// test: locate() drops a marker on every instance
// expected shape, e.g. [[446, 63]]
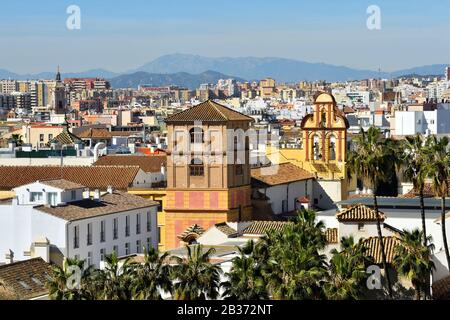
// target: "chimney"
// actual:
[[9, 257], [110, 189], [97, 195], [87, 193]]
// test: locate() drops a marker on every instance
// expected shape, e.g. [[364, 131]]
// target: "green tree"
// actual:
[[347, 271], [195, 277], [439, 171], [294, 267], [413, 261], [371, 158], [245, 279], [115, 281], [152, 277], [415, 163], [70, 282]]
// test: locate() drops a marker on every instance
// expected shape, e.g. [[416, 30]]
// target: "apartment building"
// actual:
[[75, 224]]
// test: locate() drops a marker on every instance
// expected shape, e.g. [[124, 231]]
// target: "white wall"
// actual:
[[82, 251], [20, 226], [278, 194]]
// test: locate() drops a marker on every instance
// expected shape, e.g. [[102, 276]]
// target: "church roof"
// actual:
[[67, 138], [209, 111]]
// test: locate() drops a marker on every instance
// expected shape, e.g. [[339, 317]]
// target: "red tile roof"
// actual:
[[95, 177], [146, 163], [208, 111]]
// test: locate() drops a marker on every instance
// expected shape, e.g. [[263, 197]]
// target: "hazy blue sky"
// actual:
[[124, 35]]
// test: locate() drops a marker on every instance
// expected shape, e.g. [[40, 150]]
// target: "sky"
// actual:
[[123, 35]]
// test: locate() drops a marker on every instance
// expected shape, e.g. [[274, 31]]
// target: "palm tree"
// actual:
[[413, 260], [116, 279], [70, 281], [415, 161], [294, 267], [439, 170], [371, 159], [196, 278], [152, 277], [245, 279], [347, 271]]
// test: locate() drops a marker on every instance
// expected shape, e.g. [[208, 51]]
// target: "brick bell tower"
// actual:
[[208, 171]]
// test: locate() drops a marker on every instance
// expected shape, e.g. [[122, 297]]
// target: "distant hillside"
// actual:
[[182, 79], [189, 69], [251, 68], [100, 73]]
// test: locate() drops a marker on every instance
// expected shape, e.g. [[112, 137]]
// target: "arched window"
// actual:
[[317, 152], [197, 135], [323, 119], [333, 148], [197, 168]]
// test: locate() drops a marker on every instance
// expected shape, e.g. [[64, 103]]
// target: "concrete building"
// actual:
[[75, 224]]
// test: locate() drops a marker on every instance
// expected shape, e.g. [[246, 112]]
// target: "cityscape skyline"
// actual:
[[122, 37]]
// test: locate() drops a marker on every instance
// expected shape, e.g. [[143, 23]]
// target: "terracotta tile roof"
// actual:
[[226, 229], [285, 173], [95, 133], [262, 227], [62, 184], [331, 235], [109, 203], [146, 163], [441, 289], [374, 250], [358, 213], [208, 111], [427, 192], [17, 278], [119, 177]]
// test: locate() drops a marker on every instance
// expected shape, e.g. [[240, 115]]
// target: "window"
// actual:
[[196, 168], [73, 194], [52, 198], [239, 169], [127, 248], [36, 196], [149, 221], [116, 250], [102, 254], [197, 135], [102, 231], [89, 234], [76, 237], [115, 228], [127, 226], [361, 227], [138, 223], [77, 257], [89, 259], [159, 234], [41, 137], [284, 205], [138, 246], [50, 137], [432, 121], [149, 243]]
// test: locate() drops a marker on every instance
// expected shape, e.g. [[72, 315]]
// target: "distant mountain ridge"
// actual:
[[248, 68], [93, 73], [281, 69], [182, 79]]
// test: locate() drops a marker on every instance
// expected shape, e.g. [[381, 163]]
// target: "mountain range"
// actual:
[[182, 79], [189, 70]]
